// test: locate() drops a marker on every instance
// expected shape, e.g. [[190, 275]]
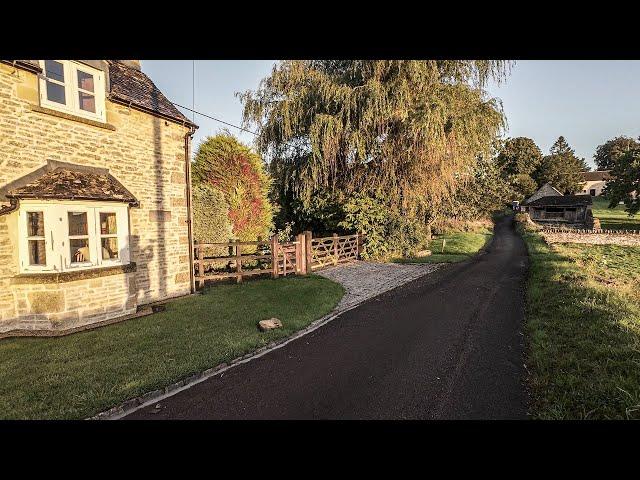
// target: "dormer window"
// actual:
[[73, 87]]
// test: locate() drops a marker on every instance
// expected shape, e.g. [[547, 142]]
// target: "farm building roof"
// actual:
[[561, 201], [599, 175]]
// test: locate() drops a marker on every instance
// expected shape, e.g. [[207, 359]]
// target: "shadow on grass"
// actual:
[[584, 340]]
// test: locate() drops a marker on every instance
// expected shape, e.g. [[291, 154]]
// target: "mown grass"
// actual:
[[583, 327], [614, 218], [458, 246], [82, 374]]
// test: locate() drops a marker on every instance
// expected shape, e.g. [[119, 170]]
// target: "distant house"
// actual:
[[594, 182], [94, 193], [548, 205]]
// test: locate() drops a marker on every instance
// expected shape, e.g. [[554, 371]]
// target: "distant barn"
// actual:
[[548, 205]]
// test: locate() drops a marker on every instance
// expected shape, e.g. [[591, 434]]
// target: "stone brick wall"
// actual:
[[145, 153], [591, 238]]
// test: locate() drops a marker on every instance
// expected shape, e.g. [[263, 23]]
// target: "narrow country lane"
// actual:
[[445, 346]]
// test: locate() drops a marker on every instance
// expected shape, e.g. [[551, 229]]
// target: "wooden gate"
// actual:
[[288, 258], [237, 259]]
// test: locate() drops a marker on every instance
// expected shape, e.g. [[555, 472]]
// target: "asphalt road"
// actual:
[[445, 346]]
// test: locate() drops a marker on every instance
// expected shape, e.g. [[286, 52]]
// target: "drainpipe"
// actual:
[[187, 172]]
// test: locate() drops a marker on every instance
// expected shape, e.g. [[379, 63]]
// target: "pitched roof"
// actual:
[[58, 181], [598, 175], [128, 86], [561, 201], [131, 86]]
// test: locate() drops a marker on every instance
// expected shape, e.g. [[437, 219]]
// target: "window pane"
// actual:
[[55, 93], [77, 223], [108, 224], [79, 249], [37, 254], [35, 224], [54, 70], [85, 81], [109, 248], [87, 102]]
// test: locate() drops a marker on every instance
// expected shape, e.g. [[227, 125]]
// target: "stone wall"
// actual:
[[145, 153], [592, 238]]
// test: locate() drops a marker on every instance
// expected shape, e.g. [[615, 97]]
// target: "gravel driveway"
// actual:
[[364, 280]]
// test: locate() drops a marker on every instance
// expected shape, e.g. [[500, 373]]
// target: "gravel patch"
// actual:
[[365, 280]]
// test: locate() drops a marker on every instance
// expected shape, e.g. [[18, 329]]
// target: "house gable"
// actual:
[[547, 190]]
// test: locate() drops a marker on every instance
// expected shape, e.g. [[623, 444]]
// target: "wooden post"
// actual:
[[358, 245], [238, 262], [443, 244], [301, 258], [197, 256], [274, 257], [335, 248], [308, 252]]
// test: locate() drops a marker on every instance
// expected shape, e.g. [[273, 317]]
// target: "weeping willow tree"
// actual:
[[408, 130]]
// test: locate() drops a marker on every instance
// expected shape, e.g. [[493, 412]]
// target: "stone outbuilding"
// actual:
[[549, 206], [95, 218]]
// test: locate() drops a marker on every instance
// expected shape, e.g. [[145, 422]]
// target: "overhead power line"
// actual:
[[216, 119]]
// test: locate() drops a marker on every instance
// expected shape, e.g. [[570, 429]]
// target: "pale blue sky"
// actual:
[[588, 102]]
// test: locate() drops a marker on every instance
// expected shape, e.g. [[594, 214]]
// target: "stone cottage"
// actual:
[[94, 194], [549, 206], [594, 182]]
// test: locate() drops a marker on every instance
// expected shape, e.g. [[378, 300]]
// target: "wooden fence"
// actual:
[[300, 257]]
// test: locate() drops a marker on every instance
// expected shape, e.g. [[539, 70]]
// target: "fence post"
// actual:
[[197, 256], [301, 257], [335, 248], [307, 251], [238, 262], [274, 257], [358, 245]]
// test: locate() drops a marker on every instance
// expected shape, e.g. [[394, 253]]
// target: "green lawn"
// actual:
[[458, 246], [583, 328], [614, 218], [82, 374]]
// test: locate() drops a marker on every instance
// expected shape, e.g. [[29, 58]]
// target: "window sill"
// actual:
[[62, 277], [69, 116]]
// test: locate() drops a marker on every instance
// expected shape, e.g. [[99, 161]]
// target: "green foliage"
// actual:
[[625, 181], [518, 159], [486, 192], [234, 169], [519, 156], [210, 216], [561, 168], [407, 128], [609, 152], [386, 231], [524, 185], [321, 215]]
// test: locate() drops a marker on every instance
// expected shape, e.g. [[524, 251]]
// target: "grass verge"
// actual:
[[614, 218], [82, 374], [458, 246], [583, 327]]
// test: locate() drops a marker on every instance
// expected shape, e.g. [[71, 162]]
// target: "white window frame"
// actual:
[[56, 225], [72, 105]]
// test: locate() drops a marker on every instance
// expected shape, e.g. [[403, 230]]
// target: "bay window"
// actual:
[[67, 235], [73, 87]]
